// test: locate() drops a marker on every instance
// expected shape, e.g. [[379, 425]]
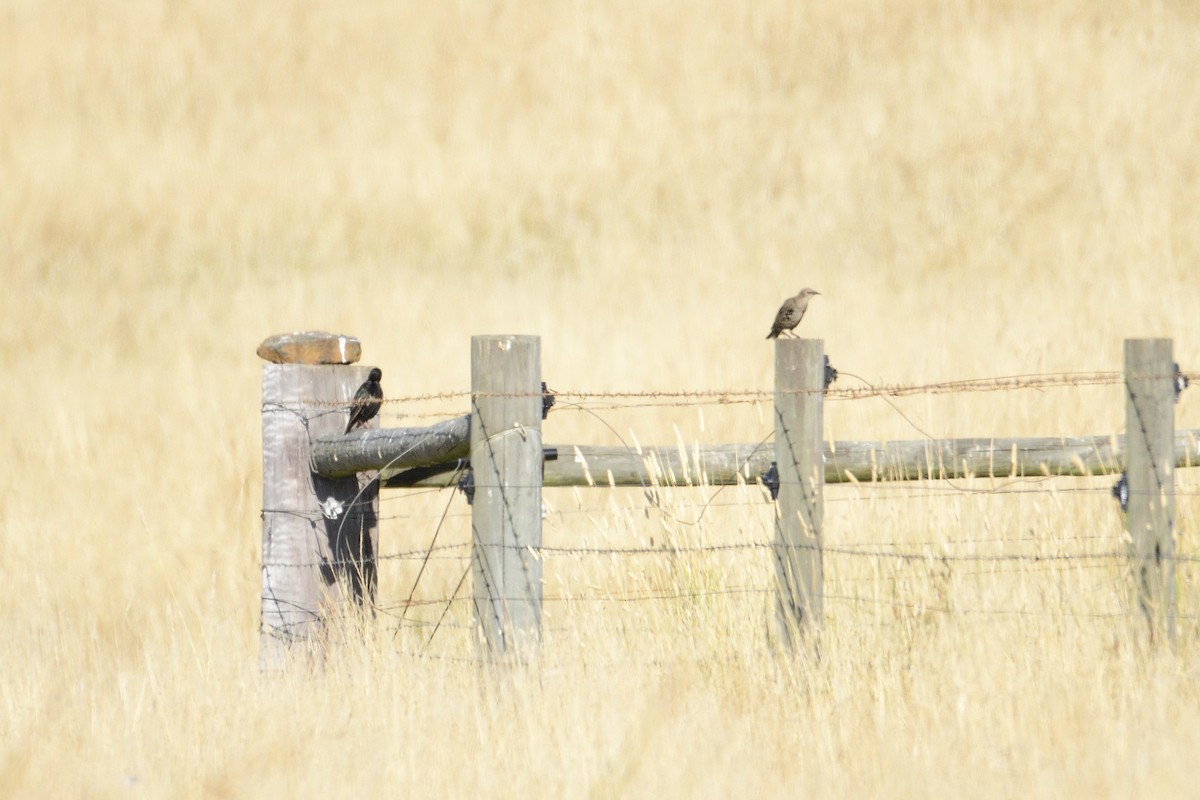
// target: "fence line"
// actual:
[[704, 396], [1115, 556], [907, 490], [335, 542]]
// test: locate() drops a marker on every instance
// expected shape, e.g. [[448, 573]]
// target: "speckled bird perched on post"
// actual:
[[791, 312], [367, 400]]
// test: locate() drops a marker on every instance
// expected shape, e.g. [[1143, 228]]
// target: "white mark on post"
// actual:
[[332, 508], [505, 344], [342, 347]]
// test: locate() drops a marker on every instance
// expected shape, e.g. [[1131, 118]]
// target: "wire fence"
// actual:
[[610, 399], [1045, 547]]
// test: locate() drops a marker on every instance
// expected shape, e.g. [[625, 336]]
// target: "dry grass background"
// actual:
[[978, 189]]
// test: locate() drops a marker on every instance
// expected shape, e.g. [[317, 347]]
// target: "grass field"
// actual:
[[978, 189]]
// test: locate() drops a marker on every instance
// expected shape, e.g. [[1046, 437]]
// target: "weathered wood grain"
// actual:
[[799, 513], [1150, 468], [319, 533], [506, 517], [392, 448], [310, 347]]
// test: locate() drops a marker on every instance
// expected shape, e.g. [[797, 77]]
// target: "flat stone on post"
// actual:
[[310, 347]]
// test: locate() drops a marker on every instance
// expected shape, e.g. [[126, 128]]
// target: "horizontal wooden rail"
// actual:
[[369, 450], [724, 464]]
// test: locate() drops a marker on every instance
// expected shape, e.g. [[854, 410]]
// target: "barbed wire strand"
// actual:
[[1020, 382]]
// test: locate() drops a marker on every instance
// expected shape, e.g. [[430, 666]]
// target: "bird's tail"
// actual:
[[773, 335]]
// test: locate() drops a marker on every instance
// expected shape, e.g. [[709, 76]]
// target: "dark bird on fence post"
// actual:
[[367, 400], [791, 312]]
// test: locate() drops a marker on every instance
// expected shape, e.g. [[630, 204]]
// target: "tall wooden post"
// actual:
[[1150, 466], [506, 515], [319, 534], [800, 461]]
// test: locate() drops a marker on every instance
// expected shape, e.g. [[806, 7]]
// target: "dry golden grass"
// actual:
[[979, 189]]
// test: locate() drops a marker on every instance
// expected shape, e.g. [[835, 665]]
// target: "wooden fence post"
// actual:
[[319, 534], [506, 515], [800, 461], [1150, 469]]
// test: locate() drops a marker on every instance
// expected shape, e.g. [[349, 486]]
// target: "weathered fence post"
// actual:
[[1150, 467], [506, 515], [800, 461], [319, 534]]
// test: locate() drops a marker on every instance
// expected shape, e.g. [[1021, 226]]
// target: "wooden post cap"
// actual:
[[310, 347]]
